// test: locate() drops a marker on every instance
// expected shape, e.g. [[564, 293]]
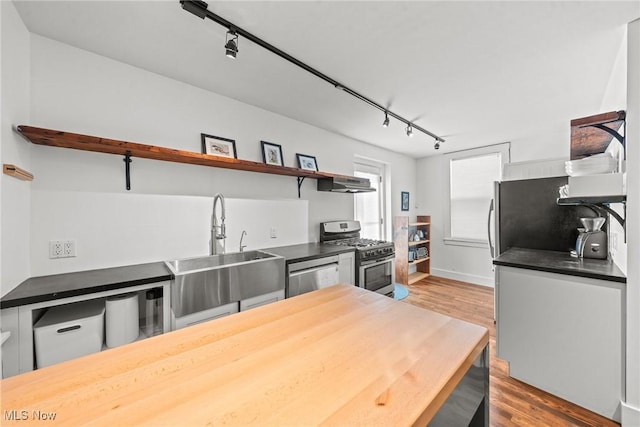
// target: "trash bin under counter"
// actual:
[[69, 331], [121, 319]]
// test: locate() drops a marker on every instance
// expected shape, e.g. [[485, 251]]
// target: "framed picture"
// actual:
[[307, 162], [218, 146], [271, 153], [404, 197]]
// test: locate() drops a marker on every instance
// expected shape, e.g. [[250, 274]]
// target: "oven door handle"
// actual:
[[377, 261]]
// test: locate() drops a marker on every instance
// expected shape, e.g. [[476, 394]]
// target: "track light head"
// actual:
[[436, 146], [409, 130], [231, 45], [386, 120]]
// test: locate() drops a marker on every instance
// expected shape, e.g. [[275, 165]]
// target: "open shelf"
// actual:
[[601, 205], [417, 276], [408, 268], [76, 141], [419, 261]]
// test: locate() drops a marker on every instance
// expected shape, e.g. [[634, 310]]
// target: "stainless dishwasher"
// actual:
[[307, 276]]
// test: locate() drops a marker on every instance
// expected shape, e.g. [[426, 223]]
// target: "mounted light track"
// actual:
[[199, 9]]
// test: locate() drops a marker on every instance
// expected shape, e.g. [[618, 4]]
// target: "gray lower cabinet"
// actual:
[[563, 334], [346, 268]]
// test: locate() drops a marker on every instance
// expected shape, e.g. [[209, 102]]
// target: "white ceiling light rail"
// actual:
[[199, 8]]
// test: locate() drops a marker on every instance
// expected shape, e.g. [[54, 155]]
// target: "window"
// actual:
[[471, 177]]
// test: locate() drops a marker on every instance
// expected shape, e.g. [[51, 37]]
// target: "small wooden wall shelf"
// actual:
[[16, 172], [56, 138]]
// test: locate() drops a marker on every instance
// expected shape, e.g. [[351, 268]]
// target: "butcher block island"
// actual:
[[339, 356]]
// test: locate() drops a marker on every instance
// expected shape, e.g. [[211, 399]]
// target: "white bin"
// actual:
[[69, 331], [122, 324]]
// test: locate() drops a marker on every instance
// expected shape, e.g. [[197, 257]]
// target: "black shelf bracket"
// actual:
[[127, 169], [300, 179], [601, 206]]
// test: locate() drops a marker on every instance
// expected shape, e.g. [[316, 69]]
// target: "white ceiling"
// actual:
[[474, 73]]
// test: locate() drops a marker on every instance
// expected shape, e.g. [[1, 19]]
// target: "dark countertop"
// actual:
[[307, 251], [57, 286], [561, 263], [46, 288]]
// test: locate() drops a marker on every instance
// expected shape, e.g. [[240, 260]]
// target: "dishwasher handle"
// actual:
[[313, 269]]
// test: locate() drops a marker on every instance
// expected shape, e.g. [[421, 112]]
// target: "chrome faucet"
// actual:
[[215, 234], [244, 233]]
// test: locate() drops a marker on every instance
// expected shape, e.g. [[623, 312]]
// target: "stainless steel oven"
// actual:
[[374, 258], [377, 275]]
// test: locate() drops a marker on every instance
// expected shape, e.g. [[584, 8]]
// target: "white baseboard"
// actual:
[[470, 278], [630, 416]]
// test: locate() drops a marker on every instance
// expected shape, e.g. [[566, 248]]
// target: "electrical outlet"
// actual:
[[273, 233], [69, 248], [62, 248], [55, 249]]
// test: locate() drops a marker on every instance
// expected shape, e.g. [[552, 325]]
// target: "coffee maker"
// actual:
[[592, 242]]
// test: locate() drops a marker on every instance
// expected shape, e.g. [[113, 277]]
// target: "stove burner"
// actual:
[[358, 242]]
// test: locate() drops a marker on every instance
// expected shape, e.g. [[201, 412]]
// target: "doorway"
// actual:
[[369, 208]]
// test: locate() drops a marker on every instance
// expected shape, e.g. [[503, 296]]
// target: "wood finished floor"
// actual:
[[512, 402]]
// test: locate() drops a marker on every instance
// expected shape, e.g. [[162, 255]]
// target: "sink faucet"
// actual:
[[244, 233], [215, 234]]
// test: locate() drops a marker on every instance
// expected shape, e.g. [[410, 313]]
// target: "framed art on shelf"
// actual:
[[272, 153], [218, 146], [404, 197], [307, 162]]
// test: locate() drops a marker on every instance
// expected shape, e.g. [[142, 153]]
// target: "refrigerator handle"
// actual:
[[491, 248]]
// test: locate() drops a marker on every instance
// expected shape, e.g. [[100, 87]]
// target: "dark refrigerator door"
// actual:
[[529, 216]]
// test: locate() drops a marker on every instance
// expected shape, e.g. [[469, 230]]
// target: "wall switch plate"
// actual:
[[62, 249], [273, 233]]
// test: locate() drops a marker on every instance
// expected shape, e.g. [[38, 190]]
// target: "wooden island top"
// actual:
[[338, 356]]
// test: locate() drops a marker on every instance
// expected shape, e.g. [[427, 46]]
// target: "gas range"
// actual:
[[374, 259], [347, 233]]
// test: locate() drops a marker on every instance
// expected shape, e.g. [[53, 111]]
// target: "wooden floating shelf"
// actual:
[[56, 138], [416, 224], [16, 172]]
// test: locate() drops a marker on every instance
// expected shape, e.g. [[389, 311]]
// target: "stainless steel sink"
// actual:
[[189, 265], [204, 283]]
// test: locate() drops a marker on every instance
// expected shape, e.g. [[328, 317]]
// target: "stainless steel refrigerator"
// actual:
[[525, 214]]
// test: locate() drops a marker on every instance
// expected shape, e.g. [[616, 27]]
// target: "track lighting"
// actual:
[[436, 145], [232, 44], [409, 130], [199, 9]]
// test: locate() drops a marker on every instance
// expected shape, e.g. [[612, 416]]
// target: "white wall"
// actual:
[[15, 194], [112, 229], [631, 409], [77, 91], [542, 141]]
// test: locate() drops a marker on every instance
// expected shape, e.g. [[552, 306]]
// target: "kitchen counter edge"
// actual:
[[561, 263], [58, 286], [308, 251]]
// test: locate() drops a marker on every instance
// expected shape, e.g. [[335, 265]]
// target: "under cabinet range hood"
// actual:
[[345, 184]]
